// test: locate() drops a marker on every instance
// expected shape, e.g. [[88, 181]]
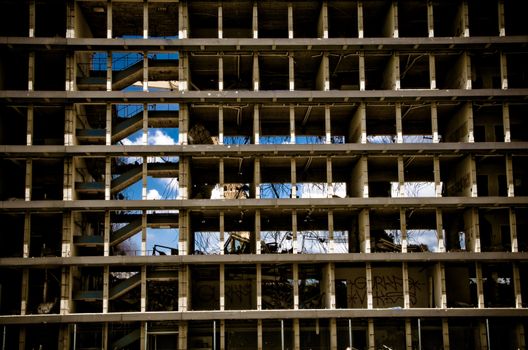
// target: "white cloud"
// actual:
[[155, 137], [153, 194]]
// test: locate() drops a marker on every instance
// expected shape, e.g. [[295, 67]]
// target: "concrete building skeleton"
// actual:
[[344, 174]]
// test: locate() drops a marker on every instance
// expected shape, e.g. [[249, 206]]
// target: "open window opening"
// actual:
[[240, 287], [124, 292], [205, 287], [277, 287], [461, 285]]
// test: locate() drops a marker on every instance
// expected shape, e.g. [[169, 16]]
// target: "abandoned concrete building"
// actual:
[[304, 174]]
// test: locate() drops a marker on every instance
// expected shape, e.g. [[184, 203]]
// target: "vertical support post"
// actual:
[[399, 127], [295, 272], [144, 233], [484, 334], [329, 180], [183, 124], [24, 292], [440, 231], [183, 71], [222, 233], [290, 20], [480, 286], [144, 178], [70, 72], [294, 231], [256, 124], [143, 328], [328, 126], [69, 129], [109, 70], [292, 125], [322, 25], [143, 288], [145, 20], [360, 19], [464, 19], [31, 71], [521, 341], [68, 181], [296, 334], [502, 21], [222, 334], [183, 245], [445, 333], [364, 230], [144, 137], [220, 73], [183, 288], [222, 286], [259, 334], [255, 72], [432, 71], [368, 270], [182, 335], [221, 178], [331, 240], [29, 179], [293, 173], [371, 338], [255, 20], [323, 80], [183, 20], [259, 286], [408, 334], [109, 19], [220, 125], [108, 139], [401, 177], [437, 177], [256, 178], [108, 178], [29, 127], [403, 229], [220, 20], [430, 19], [333, 334], [513, 230], [517, 285], [31, 19], [506, 122], [106, 288], [509, 176], [258, 248], [145, 70], [291, 71], [66, 289], [106, 234], [362, 80], [405, 286], [504, 70], [27, 234], [434, 122]]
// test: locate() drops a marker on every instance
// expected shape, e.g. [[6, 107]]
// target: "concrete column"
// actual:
[[183, 288], [391, 22], [106, 234], [183, 124], [521, 341], [183, 71], [70, 72], [109, 20], [144, 173], [322, 24], [144, 288], [290, 20], [401, 177], [291, 71], [220, 20], [472, 230], [329, 180], [391, 74], [259, 334], [502, 21], [360, 19], [434, 122], [143, 329], [333, 334], [109, 69], [222, 287], [24, 291], [66, 290], [108, 134], [368, 270], [294, 232], [183, 20], [480, 286], [296, 334], [182, 335], [513, 230], [517, 285], [258, 248], [357, 128], [295, 272], [432, 72], [222, 334], [364, 230], [331, 240], [405, 286], [69, 130], [323, 74], [222, 233], [256, 124], [64, 337], [445, 333], [403, 229], [509, 176], [144, 136], [144, 233], [145, 20], [437, 178], [504, 70], [183, 223], [68, 179], [221, 179], [292, 125], [358, 183], [255, 20], [29, 179], [439, 286], [27, 234], [29, 127], [220, 125], [328, 126], [464, 19], [371, 338], [31, 19], [483, 335], [259, 286], [440, 231], [105, 336], [256, 178], [430, 19], [106, 288], [256, 75], [293, 172], [399, 127], [220, 73], [145, 70], [506, 122], [108, 178], [31, 71]]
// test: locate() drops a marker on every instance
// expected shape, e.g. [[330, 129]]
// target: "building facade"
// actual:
[[263, 174]]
